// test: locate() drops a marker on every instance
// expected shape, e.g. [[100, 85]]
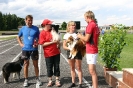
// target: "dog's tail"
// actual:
[[5, 75], [83, 51]]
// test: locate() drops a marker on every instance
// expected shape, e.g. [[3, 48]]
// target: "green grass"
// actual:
[[8, 32], [126, 60], [8, 38], [127, 54]]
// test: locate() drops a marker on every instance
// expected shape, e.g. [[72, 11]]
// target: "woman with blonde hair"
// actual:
[[91, 39], [77, 59]]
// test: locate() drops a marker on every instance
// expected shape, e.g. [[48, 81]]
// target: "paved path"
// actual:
[[10, 50]]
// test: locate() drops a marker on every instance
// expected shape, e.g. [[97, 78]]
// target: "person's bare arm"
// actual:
[[20, 41], [84, 38], [48, 43], [64, 45]]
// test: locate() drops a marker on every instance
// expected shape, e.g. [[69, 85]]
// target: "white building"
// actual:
[[105, 27]]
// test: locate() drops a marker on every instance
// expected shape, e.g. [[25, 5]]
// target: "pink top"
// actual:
[[92, 44]]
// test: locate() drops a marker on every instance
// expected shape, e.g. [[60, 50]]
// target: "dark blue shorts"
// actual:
[[30, 54]]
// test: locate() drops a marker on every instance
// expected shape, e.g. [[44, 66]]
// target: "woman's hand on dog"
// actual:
[[67, 41], [55, 41], [70, 49], [79, 35]]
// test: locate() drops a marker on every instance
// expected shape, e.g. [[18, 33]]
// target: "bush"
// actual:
[[111, 45]]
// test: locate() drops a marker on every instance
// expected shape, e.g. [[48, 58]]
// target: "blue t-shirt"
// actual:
[[29, 34]]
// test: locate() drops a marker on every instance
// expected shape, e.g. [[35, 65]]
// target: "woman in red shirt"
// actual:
[[91, 39], [51, 52]]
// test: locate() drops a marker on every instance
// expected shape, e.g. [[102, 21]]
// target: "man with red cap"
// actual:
[[51, 52]]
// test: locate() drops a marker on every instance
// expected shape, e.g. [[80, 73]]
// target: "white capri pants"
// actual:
[[91, 58]]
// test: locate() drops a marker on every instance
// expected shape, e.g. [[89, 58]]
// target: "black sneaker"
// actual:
[[80, 86], [72, 85]]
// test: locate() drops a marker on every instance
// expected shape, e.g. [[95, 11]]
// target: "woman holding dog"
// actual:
[[51, 52], [91, 39], [77, 59]]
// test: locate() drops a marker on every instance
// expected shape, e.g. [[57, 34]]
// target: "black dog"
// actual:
[[12, 67]]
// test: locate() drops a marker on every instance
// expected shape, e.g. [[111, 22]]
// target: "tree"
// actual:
[[10, 21], [4, 22], [21, 21], [1, 20], [63, 26]]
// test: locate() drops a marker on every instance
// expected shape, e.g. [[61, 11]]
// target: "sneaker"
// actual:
[[38, 82], [80, 86], [25, 83], [72, 85]]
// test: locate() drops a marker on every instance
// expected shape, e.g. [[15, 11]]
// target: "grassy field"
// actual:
[[8, 38], [126, 60], [127, 54], [8, 32]]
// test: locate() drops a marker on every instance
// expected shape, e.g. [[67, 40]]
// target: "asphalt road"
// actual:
[[10, 51]]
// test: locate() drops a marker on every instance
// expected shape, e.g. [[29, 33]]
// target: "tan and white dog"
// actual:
[[76, 46]]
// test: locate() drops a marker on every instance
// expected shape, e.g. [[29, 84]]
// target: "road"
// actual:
[[10, 51]]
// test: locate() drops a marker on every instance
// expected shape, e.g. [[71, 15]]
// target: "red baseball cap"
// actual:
[[46, 21]]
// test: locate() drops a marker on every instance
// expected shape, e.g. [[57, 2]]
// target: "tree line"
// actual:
[[10, 21]]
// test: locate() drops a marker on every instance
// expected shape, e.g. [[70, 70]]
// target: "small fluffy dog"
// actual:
[[76, 46], [12, 67], [55, 36]]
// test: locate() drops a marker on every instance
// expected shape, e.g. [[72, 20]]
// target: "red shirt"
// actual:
[[50, 50], [92, 44]]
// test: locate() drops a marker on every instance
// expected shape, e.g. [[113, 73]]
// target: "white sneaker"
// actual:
[[38, 82], [25, 83]]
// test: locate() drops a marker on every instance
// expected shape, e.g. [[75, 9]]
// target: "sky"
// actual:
[[107, 12]]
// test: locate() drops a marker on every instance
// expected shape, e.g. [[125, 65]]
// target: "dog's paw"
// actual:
[[72, 57], [69, 57], [14, 75], [5, 81], [70, 48]]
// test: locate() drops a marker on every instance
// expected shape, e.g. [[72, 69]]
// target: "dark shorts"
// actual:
[[78, 56], [30, 54]]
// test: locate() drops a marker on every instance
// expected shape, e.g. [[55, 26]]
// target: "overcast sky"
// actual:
[[106, 11]]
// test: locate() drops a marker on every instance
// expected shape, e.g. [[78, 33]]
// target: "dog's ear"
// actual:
[[71, 38]]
